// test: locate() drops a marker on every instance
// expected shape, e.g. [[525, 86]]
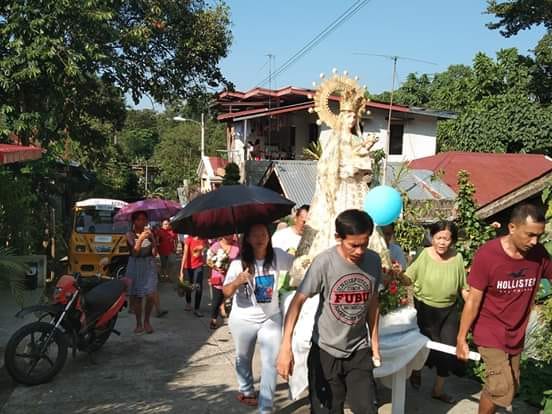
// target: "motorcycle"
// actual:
[[82, 316]]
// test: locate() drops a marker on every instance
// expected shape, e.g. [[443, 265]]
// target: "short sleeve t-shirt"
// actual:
[[436, 283], [167, 240], [194, 257], [346, 290], [509, 287], [260, 301], [286, 239]]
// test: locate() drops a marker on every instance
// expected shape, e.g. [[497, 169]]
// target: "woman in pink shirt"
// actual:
[[219, 256]]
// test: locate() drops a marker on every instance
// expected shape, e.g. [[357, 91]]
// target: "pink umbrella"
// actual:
[[156, 209]]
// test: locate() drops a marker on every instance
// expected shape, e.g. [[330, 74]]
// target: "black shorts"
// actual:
[[332, 380]]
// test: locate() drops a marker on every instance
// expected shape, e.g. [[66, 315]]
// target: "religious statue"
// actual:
[[344, 171]]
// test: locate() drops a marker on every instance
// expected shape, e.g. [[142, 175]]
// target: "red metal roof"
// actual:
[[10, 153], [303, 94], [273, 111], [493, 175]]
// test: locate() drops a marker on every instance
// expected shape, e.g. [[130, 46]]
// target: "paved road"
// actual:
[[184, 367]]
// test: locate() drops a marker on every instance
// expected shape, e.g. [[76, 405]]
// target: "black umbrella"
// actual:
[[230, 209]]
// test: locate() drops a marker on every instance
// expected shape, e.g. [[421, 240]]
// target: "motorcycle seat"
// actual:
[[102, 297]]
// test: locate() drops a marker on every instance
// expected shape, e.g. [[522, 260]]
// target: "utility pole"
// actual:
[[388, 140]]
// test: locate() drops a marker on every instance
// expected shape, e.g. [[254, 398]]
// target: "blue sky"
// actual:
[[441, 31]]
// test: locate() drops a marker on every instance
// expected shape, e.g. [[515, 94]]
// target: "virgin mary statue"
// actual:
[[344, 171]]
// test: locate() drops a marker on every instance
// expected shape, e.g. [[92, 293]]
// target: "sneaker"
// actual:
[[198, 314]]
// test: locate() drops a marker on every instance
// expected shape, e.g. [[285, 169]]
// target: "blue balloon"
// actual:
[[383, 204]]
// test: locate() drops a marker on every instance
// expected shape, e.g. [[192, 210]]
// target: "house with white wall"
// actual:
[[276, 124], [211, 173]]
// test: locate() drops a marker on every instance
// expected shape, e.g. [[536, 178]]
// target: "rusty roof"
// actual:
[[493, 175]]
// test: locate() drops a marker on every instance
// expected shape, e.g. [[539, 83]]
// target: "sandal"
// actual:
[[447, 399], [139, 331], [148, 330], [249, 400]]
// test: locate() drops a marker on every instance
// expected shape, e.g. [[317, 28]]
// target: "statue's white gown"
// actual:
[[343, 177]]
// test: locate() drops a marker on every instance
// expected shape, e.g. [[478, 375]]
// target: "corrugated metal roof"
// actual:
[[418, 184], [255, 170], [298, 180], [493, 175]]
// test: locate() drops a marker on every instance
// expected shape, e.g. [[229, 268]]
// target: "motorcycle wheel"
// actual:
[[39, 360], [101, 336], [120, 272]]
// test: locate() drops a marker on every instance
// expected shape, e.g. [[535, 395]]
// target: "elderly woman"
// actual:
[[439, 278], [255, 316], [142, 270]]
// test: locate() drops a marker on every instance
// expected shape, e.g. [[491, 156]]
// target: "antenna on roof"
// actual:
[[394, 58]]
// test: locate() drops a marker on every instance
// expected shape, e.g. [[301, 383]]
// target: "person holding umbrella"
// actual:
[[255, 316], [142, 270]]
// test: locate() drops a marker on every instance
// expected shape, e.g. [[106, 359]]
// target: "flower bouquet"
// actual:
[[394, 293], [220, 261]]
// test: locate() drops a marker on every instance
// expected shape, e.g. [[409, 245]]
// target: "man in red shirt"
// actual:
[[504, 279]]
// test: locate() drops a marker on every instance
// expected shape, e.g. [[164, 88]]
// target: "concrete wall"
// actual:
[[419, 137]]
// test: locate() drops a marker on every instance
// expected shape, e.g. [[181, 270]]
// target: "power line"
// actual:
[[393, 57], [351, 11], [346, 15]]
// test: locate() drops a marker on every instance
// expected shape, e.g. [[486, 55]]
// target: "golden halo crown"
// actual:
[[351, 93]]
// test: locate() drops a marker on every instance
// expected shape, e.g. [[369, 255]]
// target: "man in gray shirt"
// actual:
[[340, 361]]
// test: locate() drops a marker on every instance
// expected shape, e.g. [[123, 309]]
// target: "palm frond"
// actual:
[[313, 151]]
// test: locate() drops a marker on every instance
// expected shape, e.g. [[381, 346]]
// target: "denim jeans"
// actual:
[[195, 276], [246, 334]]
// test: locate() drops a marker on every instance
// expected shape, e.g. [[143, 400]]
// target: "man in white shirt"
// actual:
[[288, 239]]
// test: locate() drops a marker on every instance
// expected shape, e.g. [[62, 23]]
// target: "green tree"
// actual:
[[178, 153], [139, 135], [415, 91], [116, 179], [231, 174], [450, 90], [473, 231], [501, 114], [517, 15], [56, 58]]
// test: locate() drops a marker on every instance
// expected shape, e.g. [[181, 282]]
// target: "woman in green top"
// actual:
[[439, 277]]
